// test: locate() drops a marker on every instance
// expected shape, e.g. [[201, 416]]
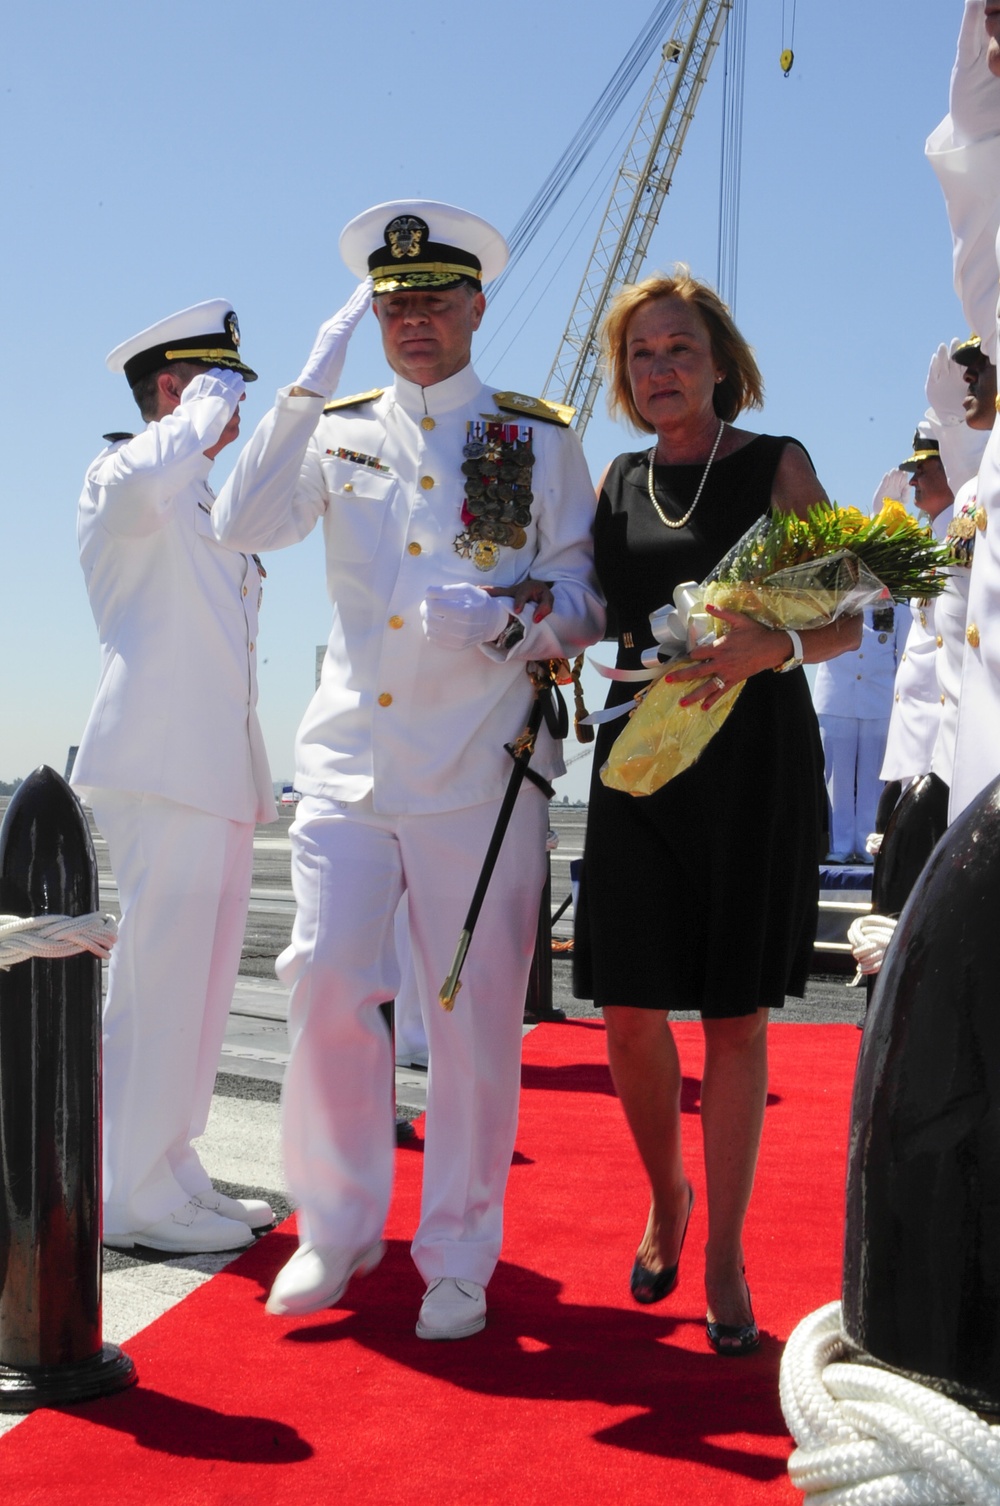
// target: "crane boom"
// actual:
[[642, 184]]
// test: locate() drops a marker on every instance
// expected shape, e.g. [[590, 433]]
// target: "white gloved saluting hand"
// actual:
[[945, 388], [462, 616], [209, 401], [894, 486], [321, 372], [961, 447], [974, 95]]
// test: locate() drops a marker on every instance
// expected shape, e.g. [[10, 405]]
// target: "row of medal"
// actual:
[[497, 509]]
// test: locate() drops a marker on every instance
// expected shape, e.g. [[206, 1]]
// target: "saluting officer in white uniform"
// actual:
[[964, 151], [173, 763], [430, 492], [916, 709], [978, 378]]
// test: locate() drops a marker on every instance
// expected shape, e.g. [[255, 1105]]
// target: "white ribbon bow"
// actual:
[[678, 628]]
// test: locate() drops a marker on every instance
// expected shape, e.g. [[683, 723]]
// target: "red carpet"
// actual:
[[572, 1394]]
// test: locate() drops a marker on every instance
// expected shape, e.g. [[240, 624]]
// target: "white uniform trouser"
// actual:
[[407, 1016], [184, 888], [853, 750], [349, 869]]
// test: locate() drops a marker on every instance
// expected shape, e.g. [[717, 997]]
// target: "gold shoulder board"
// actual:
[[535, 407], [355, 401]]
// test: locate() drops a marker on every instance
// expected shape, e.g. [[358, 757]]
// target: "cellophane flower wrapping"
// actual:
[[785, 572]]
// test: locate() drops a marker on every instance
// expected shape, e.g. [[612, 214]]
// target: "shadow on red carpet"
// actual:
[[571, 1394]]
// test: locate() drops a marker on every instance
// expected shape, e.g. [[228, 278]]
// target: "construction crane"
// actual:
[[641, 185]]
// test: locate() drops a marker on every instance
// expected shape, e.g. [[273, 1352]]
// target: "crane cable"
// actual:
[[622, 81], [787, 57], [734, 75]]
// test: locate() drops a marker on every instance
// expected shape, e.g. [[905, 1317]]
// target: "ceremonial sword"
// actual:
[[548, 705]]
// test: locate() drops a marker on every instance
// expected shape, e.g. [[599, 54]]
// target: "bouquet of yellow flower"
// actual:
[[786, 572]]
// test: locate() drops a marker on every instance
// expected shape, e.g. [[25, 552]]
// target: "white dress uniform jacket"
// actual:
[[419, 726], [175, 712], [965, 155], [859, 684], [916, 710]]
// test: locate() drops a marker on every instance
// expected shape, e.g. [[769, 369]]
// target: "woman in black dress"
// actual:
[[703, 895]]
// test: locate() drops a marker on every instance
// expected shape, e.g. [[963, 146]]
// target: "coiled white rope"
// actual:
[[54, 936], [867, 1437], [869, 937]]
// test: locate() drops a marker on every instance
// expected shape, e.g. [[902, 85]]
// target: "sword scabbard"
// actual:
[[451, 984]]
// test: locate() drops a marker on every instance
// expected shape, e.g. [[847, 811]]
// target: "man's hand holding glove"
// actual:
[[209, 401], [463, 616], [322, 370]]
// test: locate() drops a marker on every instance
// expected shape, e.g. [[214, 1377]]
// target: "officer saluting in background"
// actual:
[[173, 761], [432, 493]]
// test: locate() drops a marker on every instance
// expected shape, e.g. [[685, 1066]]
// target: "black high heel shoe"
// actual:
[[733, 1339], [649, 1286]]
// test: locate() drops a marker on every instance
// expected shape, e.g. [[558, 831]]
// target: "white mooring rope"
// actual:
[[867, 1437], [54, 936], [869, 937]]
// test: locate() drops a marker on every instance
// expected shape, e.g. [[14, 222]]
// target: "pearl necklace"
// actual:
[[669, 522]]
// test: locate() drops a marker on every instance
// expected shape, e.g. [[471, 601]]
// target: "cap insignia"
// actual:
[[232, 326], [405, 235]]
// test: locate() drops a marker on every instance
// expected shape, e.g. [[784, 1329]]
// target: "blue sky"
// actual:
[[154, 156]]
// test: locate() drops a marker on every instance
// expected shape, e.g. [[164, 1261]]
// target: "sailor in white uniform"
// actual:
[[433, 493], [852, 695], [916, 709], [964, 151], [173, 763]]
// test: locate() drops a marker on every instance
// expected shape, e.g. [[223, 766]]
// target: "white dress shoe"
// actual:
[[189, 1230], [453, 1308], [317, 1277], [252, 1211]]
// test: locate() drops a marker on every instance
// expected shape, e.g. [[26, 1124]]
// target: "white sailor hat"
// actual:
[[208, 332], [419, 244]]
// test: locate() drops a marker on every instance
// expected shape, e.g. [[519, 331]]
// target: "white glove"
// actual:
[[463, 616], [321, 373], [209, 401], [945, 388], [895, 485], [974, 96]]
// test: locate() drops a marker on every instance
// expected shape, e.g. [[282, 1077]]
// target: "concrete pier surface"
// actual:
[[241, 1147]]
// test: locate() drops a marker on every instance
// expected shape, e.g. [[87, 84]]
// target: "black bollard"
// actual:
[[921, 1290], [51, 1349], [916, 825]]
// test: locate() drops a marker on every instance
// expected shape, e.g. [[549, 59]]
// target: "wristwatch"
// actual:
[[796, 660], [511, 634]]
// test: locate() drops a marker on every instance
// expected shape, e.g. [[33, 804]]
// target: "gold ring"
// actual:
[[718, 682]]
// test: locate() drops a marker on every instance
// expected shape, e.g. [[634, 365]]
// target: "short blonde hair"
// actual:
[[742, 385]]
